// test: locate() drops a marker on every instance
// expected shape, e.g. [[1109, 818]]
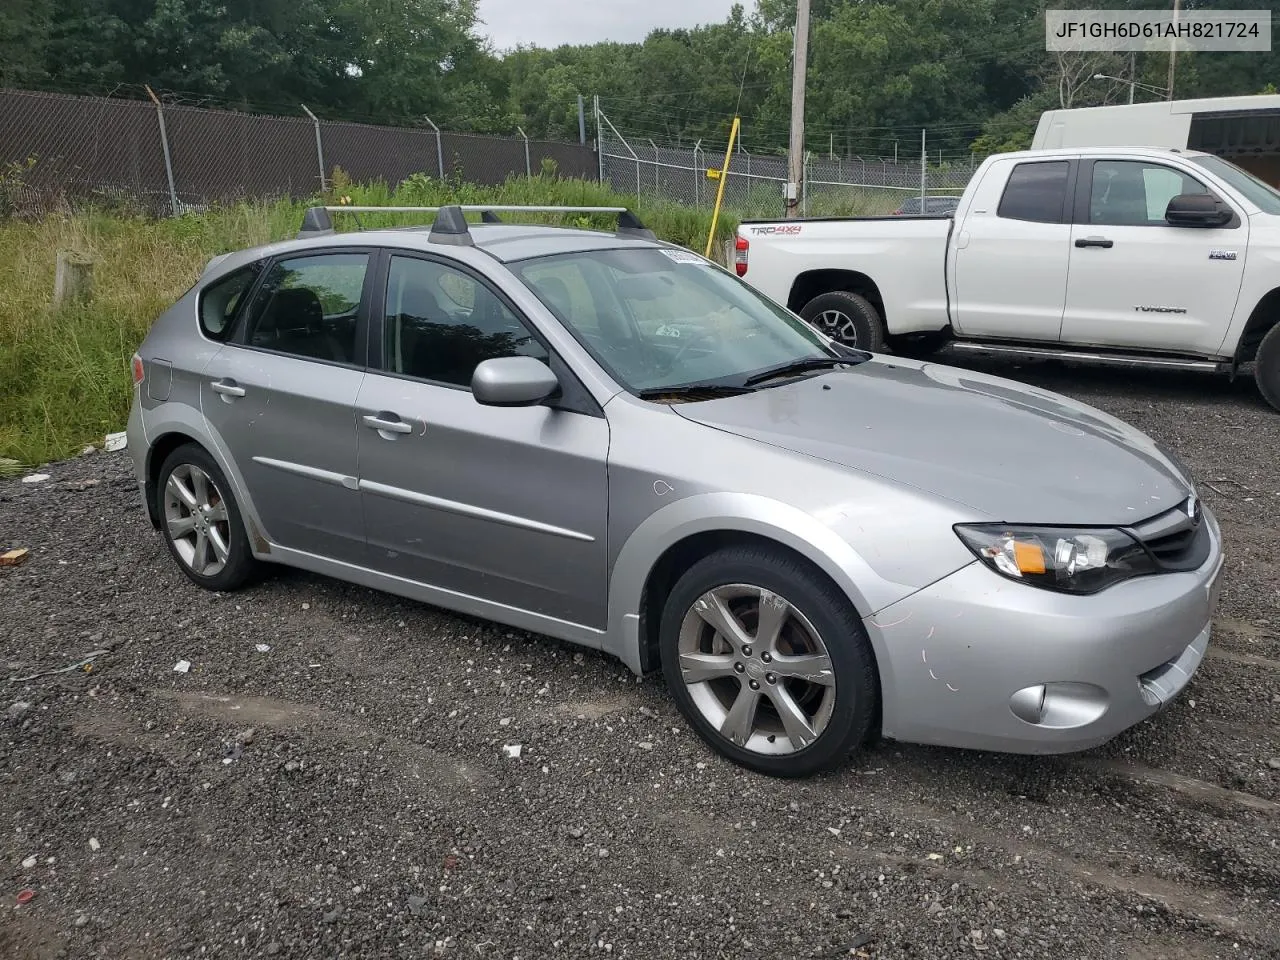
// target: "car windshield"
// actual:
[[1258, 192], [665, 318]]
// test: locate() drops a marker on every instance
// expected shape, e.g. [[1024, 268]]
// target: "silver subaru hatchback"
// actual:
[[608, 439]]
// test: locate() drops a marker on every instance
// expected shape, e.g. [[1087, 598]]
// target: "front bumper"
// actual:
[[979, 661]]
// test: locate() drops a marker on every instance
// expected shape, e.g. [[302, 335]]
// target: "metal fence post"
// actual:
[[599, 136], [657, 187], [164, 144], [439, 148], [697, 173], [804, 187], [924, 161], [319, 145], [528, 169]]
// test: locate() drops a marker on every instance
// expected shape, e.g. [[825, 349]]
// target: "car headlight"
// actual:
[[1067, 559]]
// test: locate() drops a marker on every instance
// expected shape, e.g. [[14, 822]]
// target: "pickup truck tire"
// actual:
[[848, 318], [1266, 367]]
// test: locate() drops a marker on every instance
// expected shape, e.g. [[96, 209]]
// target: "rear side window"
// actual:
[[1036, 191], [221, 301], [308, 307]]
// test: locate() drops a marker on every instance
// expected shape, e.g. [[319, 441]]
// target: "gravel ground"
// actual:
[[346, 792]]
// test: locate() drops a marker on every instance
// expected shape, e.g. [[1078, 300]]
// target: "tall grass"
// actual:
[[64, 377]]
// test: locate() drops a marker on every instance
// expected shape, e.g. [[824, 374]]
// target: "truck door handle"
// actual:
[[383, 424], [1095, 242], [228, 388]]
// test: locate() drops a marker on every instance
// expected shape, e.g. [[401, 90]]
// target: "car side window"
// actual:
[[1036, 191], [308, 306], [221, 301], [441, 323], [1133, 193]]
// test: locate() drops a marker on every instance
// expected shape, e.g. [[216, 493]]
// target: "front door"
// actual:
[[281, 397], [508, 504], [1138, 282]]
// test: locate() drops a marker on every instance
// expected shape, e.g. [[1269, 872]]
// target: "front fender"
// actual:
[[742, 513]]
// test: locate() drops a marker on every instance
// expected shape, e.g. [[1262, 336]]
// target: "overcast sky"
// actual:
[[549, 23]]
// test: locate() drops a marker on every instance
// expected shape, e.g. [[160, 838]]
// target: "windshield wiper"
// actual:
[[797, 366], [686, 391]]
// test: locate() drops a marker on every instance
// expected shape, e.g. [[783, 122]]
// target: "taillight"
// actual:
[[138, 371], [741, 246]]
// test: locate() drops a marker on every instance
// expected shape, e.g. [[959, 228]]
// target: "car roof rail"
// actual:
[[450, 225]]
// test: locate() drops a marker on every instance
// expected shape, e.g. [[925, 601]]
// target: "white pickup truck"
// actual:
[[1128, 256]]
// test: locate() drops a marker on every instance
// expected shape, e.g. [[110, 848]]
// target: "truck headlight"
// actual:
[[1066, 559]]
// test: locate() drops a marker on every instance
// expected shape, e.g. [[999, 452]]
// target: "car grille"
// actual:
[[1177, 539]]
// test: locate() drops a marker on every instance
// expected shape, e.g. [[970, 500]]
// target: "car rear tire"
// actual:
[[1266, 367], [201, 521], [848, 318], [769, 662]]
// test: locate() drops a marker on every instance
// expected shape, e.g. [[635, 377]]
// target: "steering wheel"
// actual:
[[700, 336]]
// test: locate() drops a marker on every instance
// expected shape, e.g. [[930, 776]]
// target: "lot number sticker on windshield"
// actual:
[[683, 256]]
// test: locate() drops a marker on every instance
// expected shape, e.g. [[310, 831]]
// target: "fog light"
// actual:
[[1028, 703], [1059, 706]]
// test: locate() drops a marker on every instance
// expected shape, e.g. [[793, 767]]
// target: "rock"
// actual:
[[18, 708], [1274, 763], [106, 567], [245, 737], [94, 845], [935, 908], [793, 806], [575, 832], [35, 478], [416, 904], [81, 920], [273, 948], [88, 450], [645, 745], [30, 862], [998, 933], [292, 766], [332, 915], [603, 852]]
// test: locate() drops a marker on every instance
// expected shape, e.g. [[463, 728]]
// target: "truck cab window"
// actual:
[[1036, 191], [1135, 194]]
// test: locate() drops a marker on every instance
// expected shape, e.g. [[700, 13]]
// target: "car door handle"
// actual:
[[1095, 242], [380, 423], [228, 388]]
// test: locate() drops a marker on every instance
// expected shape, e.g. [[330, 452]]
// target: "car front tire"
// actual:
[[201, 521], [769, 662]]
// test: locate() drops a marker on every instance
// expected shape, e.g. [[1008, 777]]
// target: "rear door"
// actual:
[[280, 396], [1139, 282], [505, 504], [1012, 250]]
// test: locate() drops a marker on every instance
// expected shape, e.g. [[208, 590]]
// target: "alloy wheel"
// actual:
[[197, 521], [837, 325], [756, 669]]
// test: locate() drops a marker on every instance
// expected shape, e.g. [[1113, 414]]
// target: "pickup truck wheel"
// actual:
[[1266, 367], [848, 318]]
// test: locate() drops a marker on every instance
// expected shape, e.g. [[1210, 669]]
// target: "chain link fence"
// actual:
[[832, 186], [57, 149]]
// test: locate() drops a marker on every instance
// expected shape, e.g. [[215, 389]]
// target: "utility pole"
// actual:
[[1133, 73], [799, 63], [1173, 47]]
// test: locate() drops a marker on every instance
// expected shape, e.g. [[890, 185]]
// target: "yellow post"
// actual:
[[724, 178]]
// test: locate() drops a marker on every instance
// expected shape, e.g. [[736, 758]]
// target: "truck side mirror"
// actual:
[[1197, 210]]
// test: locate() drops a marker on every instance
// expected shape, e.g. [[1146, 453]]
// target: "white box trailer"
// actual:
[[1245, 130]]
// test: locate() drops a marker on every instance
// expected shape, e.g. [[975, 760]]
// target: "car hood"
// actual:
[[1013, 453]]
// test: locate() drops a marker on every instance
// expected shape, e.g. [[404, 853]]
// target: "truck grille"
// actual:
[[1177, 539]]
